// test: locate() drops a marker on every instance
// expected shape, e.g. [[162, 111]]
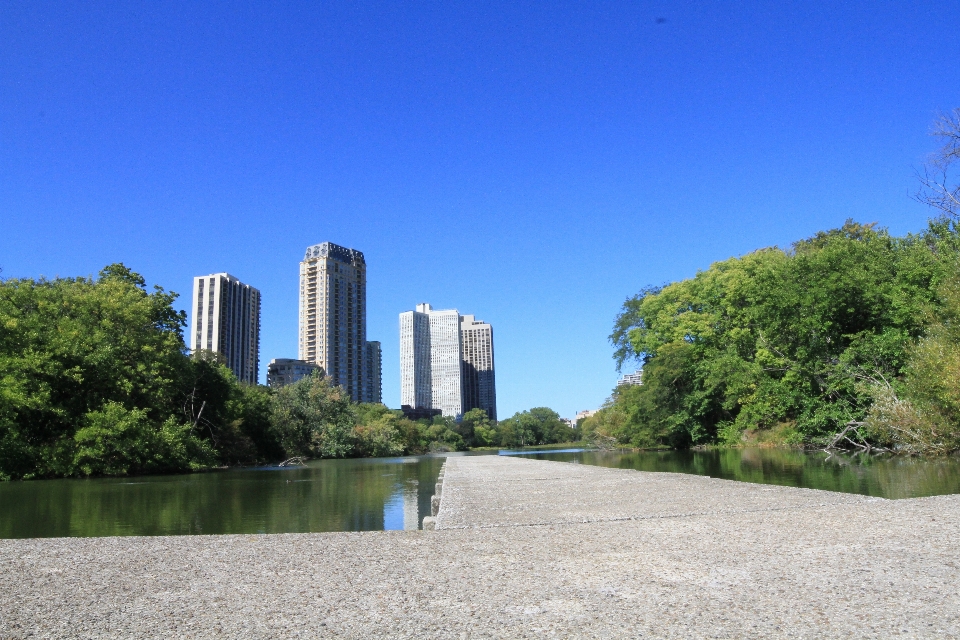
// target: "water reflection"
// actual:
[[881, 476], [394, 493], [402, 510], [325, 495]]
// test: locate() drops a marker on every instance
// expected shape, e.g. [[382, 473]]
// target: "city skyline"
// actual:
[[534, 164], [446, 362]]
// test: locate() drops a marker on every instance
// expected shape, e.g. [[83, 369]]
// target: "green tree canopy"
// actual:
[[776, 339]]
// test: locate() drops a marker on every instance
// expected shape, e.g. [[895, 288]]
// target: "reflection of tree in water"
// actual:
[[326, 495], [885, 476]]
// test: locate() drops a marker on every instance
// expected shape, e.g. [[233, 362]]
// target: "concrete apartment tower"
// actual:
[[416, 385], [333, 317], [446, 362], [374, 380], [479, 382], [226, 319]]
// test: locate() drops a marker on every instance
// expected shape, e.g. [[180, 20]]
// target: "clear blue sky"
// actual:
[[530, 163]]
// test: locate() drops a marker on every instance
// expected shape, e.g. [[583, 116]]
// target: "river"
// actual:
[[373, 494]]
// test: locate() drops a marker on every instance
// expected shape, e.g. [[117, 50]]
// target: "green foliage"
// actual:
[[71, 346], [776, 341], [121, 441], [379, 432], [94, 380], [920, 412], [537, 426], [312, 418]]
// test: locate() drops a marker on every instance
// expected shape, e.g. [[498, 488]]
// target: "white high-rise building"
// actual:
[[333, 317], [415, 381], [226, 320], [446, 362]]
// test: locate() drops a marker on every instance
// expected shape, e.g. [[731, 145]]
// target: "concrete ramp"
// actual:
[[506, 491]]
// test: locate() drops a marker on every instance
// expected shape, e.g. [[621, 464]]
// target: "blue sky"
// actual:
[[531, 163]]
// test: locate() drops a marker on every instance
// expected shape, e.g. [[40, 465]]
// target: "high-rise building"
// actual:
[[479, 383], [284, 371], [631, 379], [333, 315], [446, 362], [226, 319], [374, 381], [415, 381]]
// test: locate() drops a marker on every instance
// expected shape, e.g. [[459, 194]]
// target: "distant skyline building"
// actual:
[[415, 379], [446, 362], [479, 383], [333, 317], [635, 378], [583, 415], [372, 372], [284, 371], [227, 321]]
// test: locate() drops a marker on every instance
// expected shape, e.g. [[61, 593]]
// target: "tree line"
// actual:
[[850, 337], [95, 379]]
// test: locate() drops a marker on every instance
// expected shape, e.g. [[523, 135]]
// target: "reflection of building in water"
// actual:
[[411, 513], [401, 509]]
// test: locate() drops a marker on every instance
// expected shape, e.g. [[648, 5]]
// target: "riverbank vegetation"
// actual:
[[851, 327], [849, 337]]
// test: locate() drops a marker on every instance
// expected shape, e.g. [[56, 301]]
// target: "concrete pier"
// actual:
[[523, 548]]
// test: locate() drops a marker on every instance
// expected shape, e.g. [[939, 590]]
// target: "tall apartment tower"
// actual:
[[373, 379], [446, 362], [333, 317], [226, 319], [479, 381], [416, 384]]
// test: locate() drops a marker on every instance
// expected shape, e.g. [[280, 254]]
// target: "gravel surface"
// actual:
[[531, 556]]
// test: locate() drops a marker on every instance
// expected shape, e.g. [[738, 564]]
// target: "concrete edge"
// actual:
[[430, 522]]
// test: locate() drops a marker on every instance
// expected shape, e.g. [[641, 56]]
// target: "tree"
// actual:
[[313, 418], [70, 349], [776, 340], [536, 426], [939, 188], [471, 421]]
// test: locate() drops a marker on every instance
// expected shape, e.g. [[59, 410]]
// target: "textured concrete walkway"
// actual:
[[523, 549]]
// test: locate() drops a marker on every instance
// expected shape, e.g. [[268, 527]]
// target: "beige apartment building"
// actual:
[[333, 318]]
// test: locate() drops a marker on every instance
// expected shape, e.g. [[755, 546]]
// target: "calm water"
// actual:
[[394, 493], [882, 476], [326, 495]]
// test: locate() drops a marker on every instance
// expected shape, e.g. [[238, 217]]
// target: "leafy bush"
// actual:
[[121, 441]]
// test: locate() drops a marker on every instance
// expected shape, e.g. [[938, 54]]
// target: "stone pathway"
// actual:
[[523, 548]]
